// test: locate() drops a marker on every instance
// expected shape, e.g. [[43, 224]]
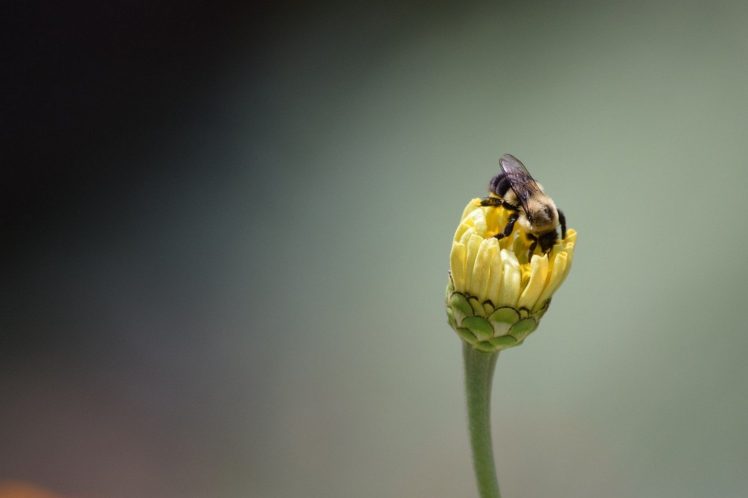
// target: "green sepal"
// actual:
[[502, 342], [504, 314], [476, 306], [485, 347], [466, 336], [487, 327], [451, 318], [460, 303], [487, 308], [478, 326], [522, 328]]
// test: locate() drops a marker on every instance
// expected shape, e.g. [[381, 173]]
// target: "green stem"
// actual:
[[479, 367]]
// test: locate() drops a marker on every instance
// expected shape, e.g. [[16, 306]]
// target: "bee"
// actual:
[[516, 190]]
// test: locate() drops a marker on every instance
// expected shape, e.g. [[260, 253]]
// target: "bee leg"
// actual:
[[532, 246], [562, 221], [509, 226], [496, 202]]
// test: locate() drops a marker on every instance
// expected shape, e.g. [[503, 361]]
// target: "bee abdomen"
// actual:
[[499, 185]]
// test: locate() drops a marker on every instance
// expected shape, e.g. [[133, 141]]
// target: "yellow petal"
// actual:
[[494, 280], [457, 265], [465, 237], [471, 206], [510, 280], [463, 227], [479, 222], [569, 259], [538, 279], [481, 271], [556, 277], [473, 244]]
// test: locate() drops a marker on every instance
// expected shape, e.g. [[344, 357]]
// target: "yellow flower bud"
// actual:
[[495, 295]]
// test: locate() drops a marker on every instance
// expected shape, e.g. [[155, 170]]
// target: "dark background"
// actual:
[[119, 146]]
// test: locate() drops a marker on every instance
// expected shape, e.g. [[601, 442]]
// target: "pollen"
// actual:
[[496, 295]]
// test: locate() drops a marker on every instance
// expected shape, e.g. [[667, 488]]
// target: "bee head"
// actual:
[[541, 216]]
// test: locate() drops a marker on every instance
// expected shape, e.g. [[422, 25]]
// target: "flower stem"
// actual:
[[479, 368]]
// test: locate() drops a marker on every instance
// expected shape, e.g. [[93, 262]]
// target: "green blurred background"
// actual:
[[239, 292]]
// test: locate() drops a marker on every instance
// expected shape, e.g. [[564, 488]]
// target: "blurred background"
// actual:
[[226, 231]]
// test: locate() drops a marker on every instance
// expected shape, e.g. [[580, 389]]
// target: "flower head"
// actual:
[[495, 295]]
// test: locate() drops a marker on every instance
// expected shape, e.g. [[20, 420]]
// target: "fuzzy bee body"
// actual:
[[517, 191]]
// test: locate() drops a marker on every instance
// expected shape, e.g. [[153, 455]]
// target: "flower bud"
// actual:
[[495, 295]]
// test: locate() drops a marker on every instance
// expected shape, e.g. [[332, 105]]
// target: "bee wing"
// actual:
[[519, 178]]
